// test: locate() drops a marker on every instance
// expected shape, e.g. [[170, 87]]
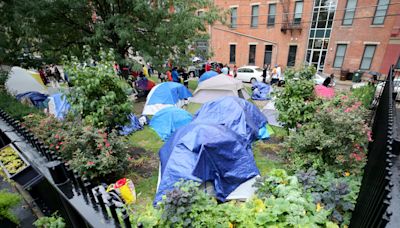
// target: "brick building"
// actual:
[[329, 34]]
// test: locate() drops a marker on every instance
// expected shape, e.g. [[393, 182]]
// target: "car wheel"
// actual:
[[253, 80]]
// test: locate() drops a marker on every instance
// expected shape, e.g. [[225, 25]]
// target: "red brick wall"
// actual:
[[360, 33], [220, 40], [356, 35]]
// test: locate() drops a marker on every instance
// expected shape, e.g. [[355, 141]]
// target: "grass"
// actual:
[[145, 188], [279, 131], [193, 85], [146, 139], [265, 156], [193, 107]]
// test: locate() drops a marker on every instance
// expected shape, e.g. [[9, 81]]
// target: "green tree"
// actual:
[[147, 28], [99, 96]]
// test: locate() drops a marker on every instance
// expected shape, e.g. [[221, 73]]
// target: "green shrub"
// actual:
[[99, 96], [15, 108], [365, 94], [337, 137], [3, 77], [296, 101], [7, 201], [53, 221]]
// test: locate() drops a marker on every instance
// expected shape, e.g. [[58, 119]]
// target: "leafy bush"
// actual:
[[336, 194], [7, 201], [336, 137], [98, 95], [53, 221], [91, 151], [296, 101], [15, 108], [365, 94], [3, 77], [189, 206], [98, 153]]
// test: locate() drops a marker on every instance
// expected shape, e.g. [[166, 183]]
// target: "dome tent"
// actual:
[[207, 75], [165, 95], [217, 87], [166, 121], [239, 115], [202, 153], [22, 81]]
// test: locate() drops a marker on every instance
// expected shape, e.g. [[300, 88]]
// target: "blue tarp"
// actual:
[[207, 75], [241, 116], [168, 120], [36, 98], [263, 133], [169, 93], [134, 125], [260, 91], [203, 152], [61, 105]]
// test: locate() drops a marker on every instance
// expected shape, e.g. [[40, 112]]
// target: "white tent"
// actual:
[[271, 113], [218, 86], [22, 81]]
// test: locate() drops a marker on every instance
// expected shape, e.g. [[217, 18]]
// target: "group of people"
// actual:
[[176, 74], [51, 74]]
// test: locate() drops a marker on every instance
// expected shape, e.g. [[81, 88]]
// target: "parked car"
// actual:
[[250, 74]]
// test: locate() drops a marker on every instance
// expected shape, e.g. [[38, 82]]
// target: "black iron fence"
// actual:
[[377, 185]]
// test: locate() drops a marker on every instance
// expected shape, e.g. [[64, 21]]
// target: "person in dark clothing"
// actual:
[[185, 77], [328, 81], [264, 75]]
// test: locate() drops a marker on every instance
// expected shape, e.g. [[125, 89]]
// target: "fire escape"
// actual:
[[289, 22]]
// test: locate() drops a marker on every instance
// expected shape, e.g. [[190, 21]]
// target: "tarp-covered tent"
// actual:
[[165, 95], [261, 91], [58, 105], [134, 125], [217, 87], [203, 152], [241, 116], [207, 75], [145, 84], [168, 120], [36, 98], [22, 81]]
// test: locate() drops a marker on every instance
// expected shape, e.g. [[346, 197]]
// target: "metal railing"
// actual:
[[376, 187]]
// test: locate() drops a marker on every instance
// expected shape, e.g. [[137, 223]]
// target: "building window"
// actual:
[[349, 12], [291, 60], [380, 12], [271, 14], [254, 16], [298, 11], [233, 17], [368, 55], [252, 55], [232, 53], [268, 55], [339, 57]]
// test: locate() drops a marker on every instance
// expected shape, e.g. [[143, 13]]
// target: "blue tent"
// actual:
[[134, 125], [37, 99], [168, 120], [61, 105], [241, 116], [207, 75], [260, 91], [164, 95], [202, 152]]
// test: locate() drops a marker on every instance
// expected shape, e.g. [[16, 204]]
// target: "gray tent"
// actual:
[[218, 86]]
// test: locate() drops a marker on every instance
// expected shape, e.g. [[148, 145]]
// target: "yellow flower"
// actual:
[[347, 174], [319, 207], [259, 205]]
